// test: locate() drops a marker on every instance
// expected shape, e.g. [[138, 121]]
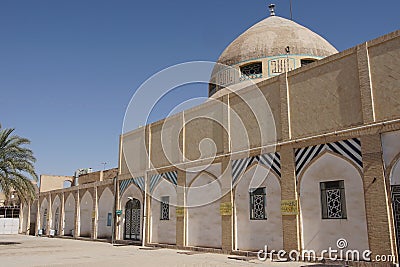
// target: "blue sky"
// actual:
[[69, 68]]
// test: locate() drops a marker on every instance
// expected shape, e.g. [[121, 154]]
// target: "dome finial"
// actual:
[[272, 9]]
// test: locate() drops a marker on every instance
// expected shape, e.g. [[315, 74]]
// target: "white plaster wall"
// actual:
[[55, 219], [321, 234], [163, 231], [390, 146], [134, 192], [204, 222], [106, 202], [86, 208], [192, 173], [395, 175], [43, 221], [9, 226], [69, 214], [253, 235]]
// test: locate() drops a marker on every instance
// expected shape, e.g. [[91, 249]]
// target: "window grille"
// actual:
[[251, 71], [333, 200], [164, 208], [257, 204]]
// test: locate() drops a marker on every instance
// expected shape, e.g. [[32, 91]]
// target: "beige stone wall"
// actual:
[[385, 76], [325, 98], [329, 95], [98, 176], [53, 182]]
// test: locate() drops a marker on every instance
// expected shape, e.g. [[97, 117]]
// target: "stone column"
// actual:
[[147, 212], [61, 223], [77, 215], [226, 205], [28, 220], [37, 216], [117, 207], [181, 210], [376, 195], [290, 223], [49, 216], [94, 213], [21, 218]]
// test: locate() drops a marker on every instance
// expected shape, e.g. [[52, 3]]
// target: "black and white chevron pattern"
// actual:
[[350, 149], [271, 160], [171, 177], [138, 181]]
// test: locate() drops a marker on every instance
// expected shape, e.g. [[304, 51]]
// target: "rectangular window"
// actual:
[[164, 208], [109, 218], [257, 204], [333, 201]]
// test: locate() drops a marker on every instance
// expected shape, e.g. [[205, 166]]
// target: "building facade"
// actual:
[[314, 162]]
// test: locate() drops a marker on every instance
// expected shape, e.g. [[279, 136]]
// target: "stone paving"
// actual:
[[20, 250]]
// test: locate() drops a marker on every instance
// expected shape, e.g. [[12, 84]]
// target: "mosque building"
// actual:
[[297, 148]]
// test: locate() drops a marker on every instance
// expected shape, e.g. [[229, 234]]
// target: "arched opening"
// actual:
[[56, 215], [252, 233], [86, 209], [204, 218], [105, 208], [43, 216], [69, 215], [332, 204], [130, 193], [163, 219], [132, 220]]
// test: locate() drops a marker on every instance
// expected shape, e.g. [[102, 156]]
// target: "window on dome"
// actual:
[[251, 71], [212, 88], [305, 62]]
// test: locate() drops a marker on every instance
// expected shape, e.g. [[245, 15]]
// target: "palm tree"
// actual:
[[16, 166]]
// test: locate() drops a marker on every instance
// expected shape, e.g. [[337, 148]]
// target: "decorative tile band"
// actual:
[[350, 149], [270, 160]]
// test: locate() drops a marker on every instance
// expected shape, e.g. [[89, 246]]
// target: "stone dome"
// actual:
[[270, 37]]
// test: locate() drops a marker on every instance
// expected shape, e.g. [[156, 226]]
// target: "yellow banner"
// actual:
[[289, 207], [225, 209]]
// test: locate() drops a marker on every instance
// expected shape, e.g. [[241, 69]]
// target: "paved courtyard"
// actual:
[[19, 250]]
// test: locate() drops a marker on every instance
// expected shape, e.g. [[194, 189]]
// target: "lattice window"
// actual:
[[257, 204], [251, 71], [164, 208], [333, 200]]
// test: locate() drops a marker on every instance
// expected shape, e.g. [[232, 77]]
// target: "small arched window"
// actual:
[[251, 71], [67, 184], [307, 61]]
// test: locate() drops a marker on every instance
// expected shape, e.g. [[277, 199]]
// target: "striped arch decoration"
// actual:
[[271, 160], [138, 181], [351, 149], [171, 177]]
